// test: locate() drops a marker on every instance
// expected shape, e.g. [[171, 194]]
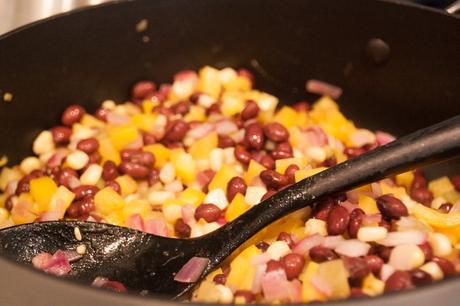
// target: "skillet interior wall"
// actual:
[[97, 54]]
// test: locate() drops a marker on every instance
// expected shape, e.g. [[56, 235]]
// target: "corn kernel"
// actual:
[[406, 257], [372, 233], [254, 194], [192, 196], [77, 160], [217, 197], [29, 164], [159, 197], [127, 184], [372, 286], [278, 249], [441, 244], [433, 269], [315, 226], [172, 212], [43, 143], [91, 175], [216, 159]]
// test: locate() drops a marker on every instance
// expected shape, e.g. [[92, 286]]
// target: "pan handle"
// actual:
[[453, 8]]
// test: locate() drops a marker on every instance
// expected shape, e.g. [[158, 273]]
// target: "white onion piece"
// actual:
[[192, 270], [257, 282], [72, 255], [200, 130], [352, 248], [275, 285], [331, 242], [349, 206], [188, 214], [321, 285], [295, 291], [383, 138], [225, 127], [304, 245], [116, 118], [323, 88], [386, 272], [407, 237]]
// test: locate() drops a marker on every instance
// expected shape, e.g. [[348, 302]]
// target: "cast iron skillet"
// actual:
[[94, 54]]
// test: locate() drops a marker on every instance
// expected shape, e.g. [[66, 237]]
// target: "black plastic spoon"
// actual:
[[148, 263]]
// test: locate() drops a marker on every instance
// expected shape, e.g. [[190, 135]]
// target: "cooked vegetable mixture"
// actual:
[[182, 159]]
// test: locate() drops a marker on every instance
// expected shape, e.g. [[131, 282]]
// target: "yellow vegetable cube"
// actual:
[[107, 201], [209, 82], [405, 179], [91, 121], [161, 153], [42, 189], [127, 184], [22, 211], [233, 102], [222, 177], [282, 164], [242, 270], [184, 165], [309, 292], [149, 105], [145, 122], [202, 147], [336, 275], [192, 196], [236, 208], [442, 187], [115, 218], [196, 113], [122, 135], [368, 205], [108, 151], [239, 84], [287, 116], [61, 200], [302, 174], [137, 206], [253, 171], [398, 191], [9, 174]]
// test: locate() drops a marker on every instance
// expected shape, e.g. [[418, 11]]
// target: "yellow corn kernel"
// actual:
[[220, 180], [236, 208], [122, 135], [287, 116], [107, 201], [209, 82], [184, 165], [202, 147], [137, 206], [127, 184], [233, 102], [282, 164], [161, 153], [196, 113], [238, 84], [61, 200], [91, 121], [302, 174], [368, 205], [22, 211], [42, 189], [108, 151], [372, 286], [9, 174], [309, 292], [405, 179], [192, 196], [145, 122], [253, 171]]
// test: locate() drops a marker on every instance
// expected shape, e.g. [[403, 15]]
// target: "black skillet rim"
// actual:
[[73, 288]]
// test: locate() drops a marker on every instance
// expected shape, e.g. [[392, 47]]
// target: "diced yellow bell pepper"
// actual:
[[336, 275], [287, 116], [192, 196], [61, 200], [209, 82], [122, 135], [222, 177], [238, 84], [373, 286], [202, 147], [22, 211], [302, 174], [108, 151], [282, 164], [236, 208], [115, 218], [242, 270], [42, 189], [137, 206], [161, 153], [91, 121], [253, 171], [233, 102], [405, 179], [127, 184], [368, 205], [184, 165], [436, 218], [443, 187], [149, 105], [107, 201], [398, 191], [145, 122], [309, 292], [196, 113]]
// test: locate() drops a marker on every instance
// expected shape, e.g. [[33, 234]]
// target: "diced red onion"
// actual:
[[323, 88], [40, 261], [186, 76], [188, 213], [257, 282], [116, 118], [156, 227], [50, 216], [135, 144], [275, 285], [321, 285], [315, 136], [200, 131], [225, 127], [386, 272], [57, 264], [406, 237], [56, 159], [304, 245], [103, 282], [348, 206], [11, 187], [295, 291], [352, 248], [72, 255], [362, 137], [331, 242], [192, 270], [383, 138], [372, 219], [135, 222]]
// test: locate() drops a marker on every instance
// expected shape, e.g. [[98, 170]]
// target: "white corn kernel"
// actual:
[[225, 294], [386, 272], [196, 230], [406, 257], [210, 227], [29, 164], [433, 269], [109, 104], [202, 164], [172, 212], [159, 197], [217, 197], [77, 160], [440, 243], [167, 173], [227, 74], [254, 194], [91, 175], [77, 233], [43, 143], [79, 132], [229, 156], [216, 159], [81, 249], [278, 249], [315, 226], [316, 153], [372, 233]]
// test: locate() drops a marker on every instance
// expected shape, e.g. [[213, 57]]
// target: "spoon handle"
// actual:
[[429, 145]]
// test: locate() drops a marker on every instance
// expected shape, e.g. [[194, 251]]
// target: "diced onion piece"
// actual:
[[407, 237], [406, 257], [323, 88], [304, 246], [352, 248], [192, 270]]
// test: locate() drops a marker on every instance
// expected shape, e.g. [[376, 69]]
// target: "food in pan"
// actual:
[[182, 159]]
